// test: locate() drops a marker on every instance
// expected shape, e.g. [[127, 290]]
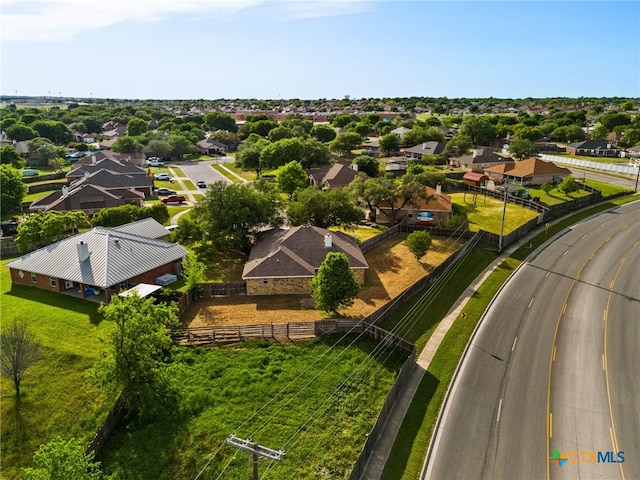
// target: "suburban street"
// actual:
[[554, 365], [203, 171]]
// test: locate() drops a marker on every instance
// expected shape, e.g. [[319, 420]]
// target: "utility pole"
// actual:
[[258, 452]]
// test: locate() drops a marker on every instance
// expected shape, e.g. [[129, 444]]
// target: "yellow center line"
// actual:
[[614, 438]]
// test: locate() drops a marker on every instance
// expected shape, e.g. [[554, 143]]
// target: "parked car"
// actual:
[[30, 172], [162, 176], [165, 191], [201, 184], [425, 218], [173, 199], [155, 162]]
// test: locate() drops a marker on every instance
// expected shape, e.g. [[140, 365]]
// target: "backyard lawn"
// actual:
[[392, 268], [486, 213], [56, 398]]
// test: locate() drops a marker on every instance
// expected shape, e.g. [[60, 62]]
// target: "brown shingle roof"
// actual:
[[298, 252], [531, 167]]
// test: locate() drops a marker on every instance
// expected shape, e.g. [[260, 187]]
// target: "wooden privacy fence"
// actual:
[[216, 334], [105, 430], [223, 289]]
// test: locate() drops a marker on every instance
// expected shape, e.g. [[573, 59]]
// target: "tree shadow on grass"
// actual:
[[57, 300]]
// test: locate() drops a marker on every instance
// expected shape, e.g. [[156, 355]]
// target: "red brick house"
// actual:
[[531, 171], [436, 206]]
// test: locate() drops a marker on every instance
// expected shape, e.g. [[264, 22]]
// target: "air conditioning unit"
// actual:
[[166, 279], [68, 284]]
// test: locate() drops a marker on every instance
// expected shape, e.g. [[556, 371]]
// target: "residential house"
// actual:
[[435, 206], [400, 131], [97, 264], [22, 147], [113, 129], [426, 148], [331, 176], [479, 159], [85, 137], [531, 171], [110, 180], [284, 261], [209, 146], [613, 138], [593, 148], [146, 227], [88, 198]]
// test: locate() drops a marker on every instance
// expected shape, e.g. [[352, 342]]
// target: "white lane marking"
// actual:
[[514, 344], [550, 425], [499, 408], [554, 353], [548, 273], [530, 302], [584, 236], [567, 251], [603, 362]]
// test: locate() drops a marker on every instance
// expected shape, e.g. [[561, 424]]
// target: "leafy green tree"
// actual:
[[55, 131], [323, 133], [613, 119], [420, 134], [315, 153], [137, 127], [10, 156], [281, 132], [19, 350], [291, 177], [385, 192], [389, 143], [19, 132], [261, 128], [180, 145], [568, 185], [459, 145], [220, 121], [324, 208], [116, 216], [418, 243], [524, 132], [43, 150], [546, 187], [157, 148], [368, 165], [228, 138], [12, 189], [248, 157], [335, 285], [194, 273], [570, 133], [231, 215], [63, 460], [625, 106], [281, 152], [362, 128], [522, 148], [345, 142], [631, 137], [140, 348], [127, 144], [479, 129], [344, 119], [45, 228]]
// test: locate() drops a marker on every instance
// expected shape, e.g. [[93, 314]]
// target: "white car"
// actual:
[[162, 176], [155, 162]]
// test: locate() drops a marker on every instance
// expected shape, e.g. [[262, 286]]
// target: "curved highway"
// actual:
[[554, 366]]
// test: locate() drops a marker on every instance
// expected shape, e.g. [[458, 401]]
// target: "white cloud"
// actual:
[[62, 20]]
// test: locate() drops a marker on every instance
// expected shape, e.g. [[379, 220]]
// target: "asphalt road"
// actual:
[[524, 390], [203, 171], [579, 173]]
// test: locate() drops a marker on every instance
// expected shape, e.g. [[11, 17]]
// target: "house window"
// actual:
[[34, 277], [52, 281], [265, 281], [410, 213]]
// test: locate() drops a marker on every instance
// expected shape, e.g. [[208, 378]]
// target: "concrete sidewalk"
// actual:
[[375, 465]]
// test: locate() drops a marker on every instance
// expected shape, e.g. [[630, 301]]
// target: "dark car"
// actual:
[[173, 199], [201, 184], [165, 191]]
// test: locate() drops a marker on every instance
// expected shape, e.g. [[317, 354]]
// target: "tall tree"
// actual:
[[194, 273], [522, 148], [63, 460], [10, 156], [127, 144], [368, 165], [324, 208], [45, 228], [140, 347], [479, 129], [458, 145], [418, 243], [19, 350], [291, 178], [55, 131], [335, 285], [389, 143], [232, 214], [12, 189], [220, 121], [19, 132], [137, 127], [323, 133], [345, 142]]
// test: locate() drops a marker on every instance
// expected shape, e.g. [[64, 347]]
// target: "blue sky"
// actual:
[[191, 49]]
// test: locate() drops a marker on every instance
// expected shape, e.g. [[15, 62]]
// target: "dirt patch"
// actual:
[[392, 269]]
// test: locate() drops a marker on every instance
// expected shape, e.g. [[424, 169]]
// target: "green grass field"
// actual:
[[189, 184], [224, 387], [486, 213], [224, 173], [56, 398]]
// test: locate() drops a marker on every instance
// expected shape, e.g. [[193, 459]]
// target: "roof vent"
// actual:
[[438, 189], [328, 241]]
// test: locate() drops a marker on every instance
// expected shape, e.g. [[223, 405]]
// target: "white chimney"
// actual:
[[65, 191], [438, 189], [93, 159], [83, 251], [354, 166], [424, 146], [328, 241], [475, 152], [86, 174]]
